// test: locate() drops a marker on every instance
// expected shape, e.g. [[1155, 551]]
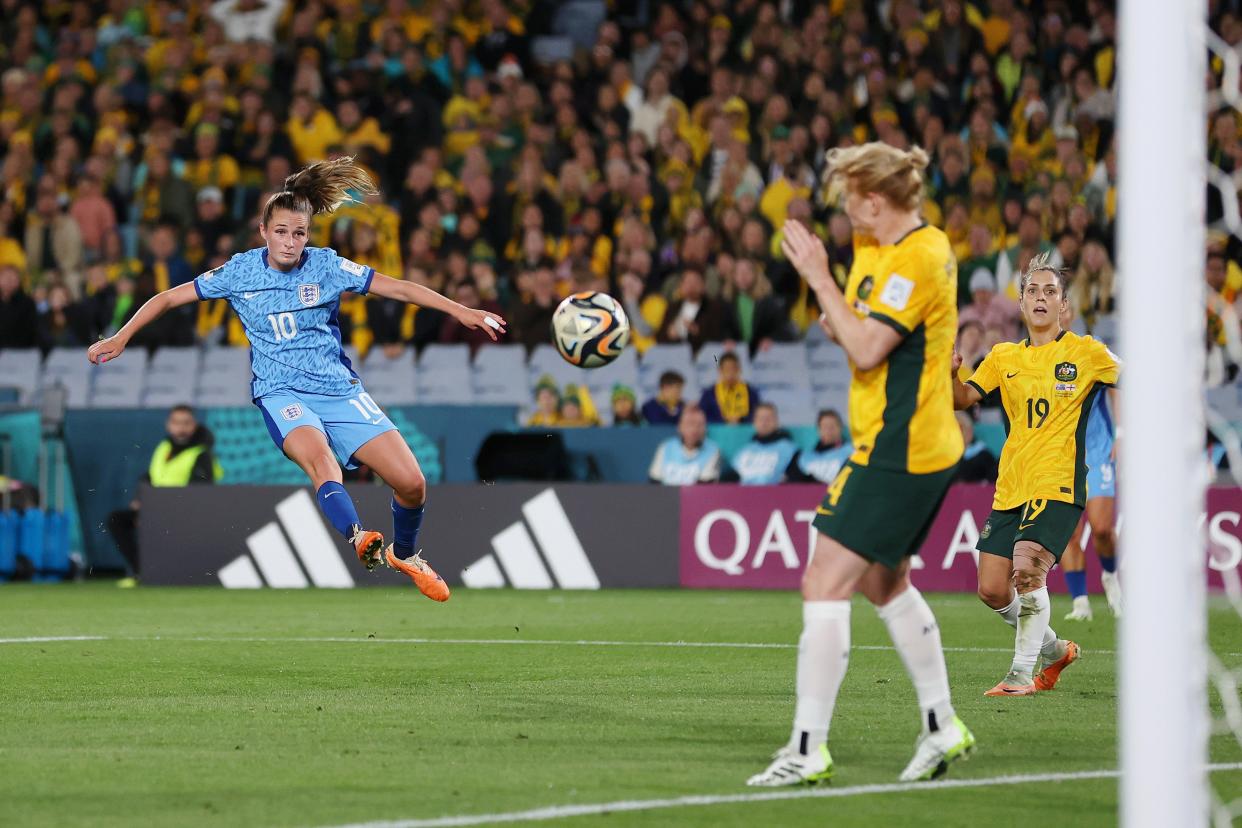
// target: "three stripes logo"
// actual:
[[516, 559], [273, 561]]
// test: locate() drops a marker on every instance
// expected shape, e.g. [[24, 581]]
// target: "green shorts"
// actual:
[[882, 515], [1050, 523]]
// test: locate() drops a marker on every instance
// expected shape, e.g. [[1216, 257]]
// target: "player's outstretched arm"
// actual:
[[425, 297], [868, 342], [109, 349], [964, 396]]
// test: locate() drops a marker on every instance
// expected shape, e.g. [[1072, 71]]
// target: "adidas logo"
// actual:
[[517, 561], [272, 548]]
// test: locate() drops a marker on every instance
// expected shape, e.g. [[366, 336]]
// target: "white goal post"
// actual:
[[1161, 243]]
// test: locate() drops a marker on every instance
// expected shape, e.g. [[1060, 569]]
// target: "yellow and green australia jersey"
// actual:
[[901, 411], [1047, 393]]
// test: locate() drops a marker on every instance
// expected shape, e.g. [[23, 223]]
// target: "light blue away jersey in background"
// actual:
[[291, 317], [1099, 431]]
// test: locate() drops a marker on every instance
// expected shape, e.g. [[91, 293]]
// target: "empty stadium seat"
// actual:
[[20, 369], [795, 406], [827, 354], [165, 390], [836, 398], [116, 389], [496, 360], [77, 386], [176, 361], [514, 394], [73, 361], [224, 395], [499, 375], [391, 381], [782, 365], [433, 392], [444, 375], [226, 361], [436, 357]]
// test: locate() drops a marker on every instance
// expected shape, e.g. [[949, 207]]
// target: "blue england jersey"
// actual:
[[1099, 431], [291, 318]]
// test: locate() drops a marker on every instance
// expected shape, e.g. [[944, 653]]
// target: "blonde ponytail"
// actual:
[[320, 187]]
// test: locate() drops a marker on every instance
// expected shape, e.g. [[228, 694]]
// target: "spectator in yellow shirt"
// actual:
[[312, 129], [210, 167]]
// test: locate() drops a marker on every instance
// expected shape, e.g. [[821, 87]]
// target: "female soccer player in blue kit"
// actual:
[[288, 297]]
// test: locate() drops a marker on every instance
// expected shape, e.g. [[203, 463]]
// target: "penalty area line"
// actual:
[[42, 639], [623, 806]]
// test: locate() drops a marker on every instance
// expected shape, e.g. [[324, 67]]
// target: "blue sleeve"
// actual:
[[345, 275], [218, 283]]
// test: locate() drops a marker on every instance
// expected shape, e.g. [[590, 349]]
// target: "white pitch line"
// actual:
[[546, 642], [534, 642], [45, 638], [565, 811]]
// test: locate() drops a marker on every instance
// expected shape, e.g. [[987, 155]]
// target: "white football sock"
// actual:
[[916, 635], [1048, 647], [1033, 614], [823, 655]]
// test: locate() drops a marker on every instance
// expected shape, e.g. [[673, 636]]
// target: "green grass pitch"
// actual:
[[216, 708]]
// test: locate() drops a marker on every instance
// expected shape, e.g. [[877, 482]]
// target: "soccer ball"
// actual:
[[590, 329]]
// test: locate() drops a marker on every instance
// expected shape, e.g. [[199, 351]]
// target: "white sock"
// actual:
[[1048, 647], [823, 655], [916, 635], [1033, 614]]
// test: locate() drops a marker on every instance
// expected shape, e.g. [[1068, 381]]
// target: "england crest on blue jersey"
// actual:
[[308, 295], [291, 412], [291, 319]]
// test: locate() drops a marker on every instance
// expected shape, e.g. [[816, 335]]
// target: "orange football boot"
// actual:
[[368, 545], [423, 576], [1012, 685], [1047, 678]]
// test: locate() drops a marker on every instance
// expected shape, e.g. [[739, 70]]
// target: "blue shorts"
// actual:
[[1101, 474], [349, 421]]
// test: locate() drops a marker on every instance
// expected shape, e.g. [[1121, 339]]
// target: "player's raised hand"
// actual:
[[957, 362], [105, 350], [474, 318], [806, 253]]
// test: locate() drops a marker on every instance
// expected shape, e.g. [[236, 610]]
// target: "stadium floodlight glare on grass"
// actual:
[[1161, 172]]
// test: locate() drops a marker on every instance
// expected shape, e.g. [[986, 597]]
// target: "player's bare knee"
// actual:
[[411, 490], [1105, 541], [996, 596]]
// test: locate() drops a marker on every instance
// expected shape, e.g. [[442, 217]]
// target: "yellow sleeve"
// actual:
[[1105, 365], [902, 298], [986, 378]]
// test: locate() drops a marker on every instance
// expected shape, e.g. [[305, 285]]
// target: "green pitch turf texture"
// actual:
[[203, 707]]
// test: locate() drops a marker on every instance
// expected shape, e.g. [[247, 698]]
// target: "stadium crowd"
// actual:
[[658, 164]]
